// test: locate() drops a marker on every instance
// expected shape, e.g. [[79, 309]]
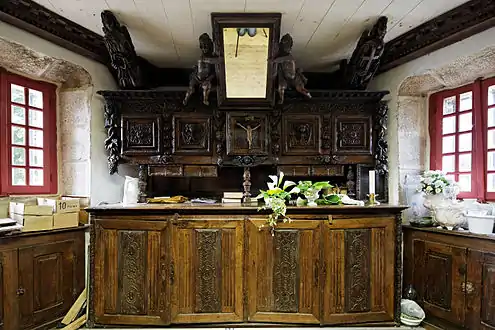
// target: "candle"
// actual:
[[372, 182]]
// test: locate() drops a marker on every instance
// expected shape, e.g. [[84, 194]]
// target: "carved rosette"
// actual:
[[381, 147], [113, 141], [248, 161]]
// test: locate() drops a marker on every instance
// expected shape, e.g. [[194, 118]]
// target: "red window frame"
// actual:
[[49, 129], [479, 150]]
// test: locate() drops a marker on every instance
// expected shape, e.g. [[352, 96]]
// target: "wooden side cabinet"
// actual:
[[454, 276], [41, 275]]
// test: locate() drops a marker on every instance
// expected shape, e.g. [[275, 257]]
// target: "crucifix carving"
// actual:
[[249, 133]]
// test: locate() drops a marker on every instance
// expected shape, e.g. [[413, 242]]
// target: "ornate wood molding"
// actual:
[[457, 24], [32, 17]]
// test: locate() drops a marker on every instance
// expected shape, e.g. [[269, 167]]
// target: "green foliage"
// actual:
[[329, 200], [308, 185]]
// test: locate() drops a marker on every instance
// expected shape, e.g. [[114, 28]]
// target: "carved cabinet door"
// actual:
[[352, 135], [282, 271], [301, 134], [357, 270], [130, 275], [206, 269], [9, 283], [46, 275], [480, 290], [440, 276], [141, 135]]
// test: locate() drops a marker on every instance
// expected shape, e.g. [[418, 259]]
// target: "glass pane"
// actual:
[[466, 122], [17, 94], [465, 163], [448, 163], [35, 118], [491, 161], [35, 138], [465, 142], [491, 139], [466, 101], [450, 177], [448, 144], [18, 115], [449, 105], [465, 182], [18, 176], [18, 156], [36, 157], [35, 98], [491, 95], [448, 125], [490, 182], [18, 135], [491, 117], [35, 177]]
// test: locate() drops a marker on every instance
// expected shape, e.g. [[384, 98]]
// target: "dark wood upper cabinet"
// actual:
[[141, 135], [245, 42], [301, 134], [192, 134], [353, 134]]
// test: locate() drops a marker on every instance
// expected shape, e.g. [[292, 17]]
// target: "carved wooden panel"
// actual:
[[141, 135], [207, 259], [168, 170], [192, 134], [329, 170], [46, 275], [357, 284], [247, 134], [301, 134], [439, 271], [283, 274], [201, 171], [130, 273], [352, 134], [488, 293]]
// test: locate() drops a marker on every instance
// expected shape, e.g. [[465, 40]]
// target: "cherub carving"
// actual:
[[365, 59], [123, 56], [286, 71], [204, 70]]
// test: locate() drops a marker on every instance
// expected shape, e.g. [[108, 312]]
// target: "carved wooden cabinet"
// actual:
[[41, 275], [206, 269], [283, 274], [131, 272], [358, 285], [225, 265], [453, 274]]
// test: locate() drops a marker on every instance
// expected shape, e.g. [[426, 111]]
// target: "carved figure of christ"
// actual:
[[249, 133]]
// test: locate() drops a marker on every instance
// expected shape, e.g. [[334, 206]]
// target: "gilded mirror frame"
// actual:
[[219, 21]]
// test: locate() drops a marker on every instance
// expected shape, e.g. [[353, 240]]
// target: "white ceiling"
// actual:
[[325, 31]]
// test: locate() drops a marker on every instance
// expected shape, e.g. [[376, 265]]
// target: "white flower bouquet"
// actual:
[[435, 183]]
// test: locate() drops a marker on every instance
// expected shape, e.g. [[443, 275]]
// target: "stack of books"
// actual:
[[232, 197]]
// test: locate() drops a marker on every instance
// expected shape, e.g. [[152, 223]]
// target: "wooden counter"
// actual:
[[203, 264]]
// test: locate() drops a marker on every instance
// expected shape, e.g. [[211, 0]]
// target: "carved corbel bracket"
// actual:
[[113, 140], [381, 146], [248, 161]]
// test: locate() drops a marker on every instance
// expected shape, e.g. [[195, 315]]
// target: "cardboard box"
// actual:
[[27, 209], [65, 205], [83, 203], [65, 220], [34, 222]]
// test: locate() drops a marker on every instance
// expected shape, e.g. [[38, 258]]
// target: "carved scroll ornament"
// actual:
[[381, 149], [113, 141]]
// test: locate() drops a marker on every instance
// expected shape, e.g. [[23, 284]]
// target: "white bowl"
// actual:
[[411, 313], [480, 224]]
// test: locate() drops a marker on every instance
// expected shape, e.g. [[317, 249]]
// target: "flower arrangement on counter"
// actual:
[[435, 183], [277, 196]]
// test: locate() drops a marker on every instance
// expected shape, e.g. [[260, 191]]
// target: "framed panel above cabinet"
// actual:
[[245, 42]]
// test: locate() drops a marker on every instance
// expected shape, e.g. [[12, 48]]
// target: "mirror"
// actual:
[[246, 54], [244, 43]]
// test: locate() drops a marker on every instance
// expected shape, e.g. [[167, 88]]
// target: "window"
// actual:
[[462, 133], [28, 139]]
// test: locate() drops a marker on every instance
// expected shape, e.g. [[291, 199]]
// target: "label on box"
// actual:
[[61, 205]]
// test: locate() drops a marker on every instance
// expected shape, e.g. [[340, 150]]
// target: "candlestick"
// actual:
[[372, 182]]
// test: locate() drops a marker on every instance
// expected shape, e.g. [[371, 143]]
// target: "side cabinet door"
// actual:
[[282, 271], [439, 276], [353, 135], [206, 269], [358, 270], [480, 290], [130, 272], [9, 304], [46, 281]]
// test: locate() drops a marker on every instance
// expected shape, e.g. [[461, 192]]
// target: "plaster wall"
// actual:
[[409, 86], [84, 164]]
